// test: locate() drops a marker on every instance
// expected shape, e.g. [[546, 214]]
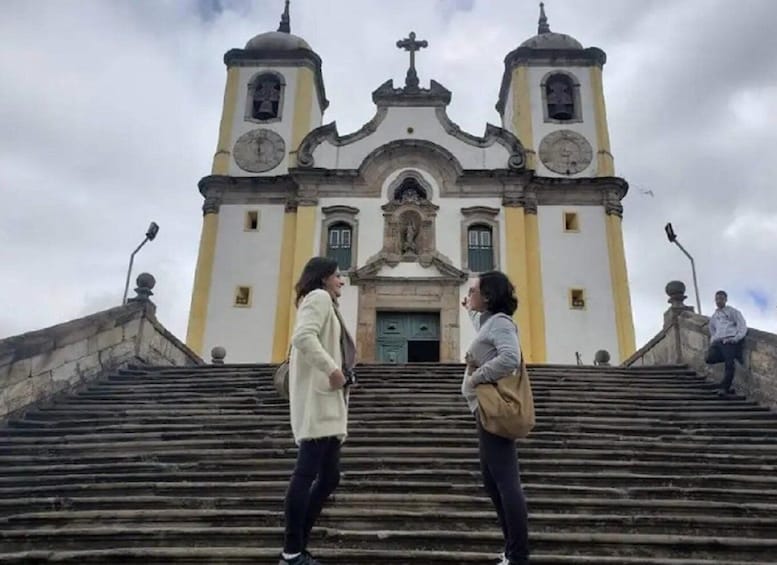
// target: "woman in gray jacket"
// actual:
[[496, 353]]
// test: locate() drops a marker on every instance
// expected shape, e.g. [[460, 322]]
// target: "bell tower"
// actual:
[[552, 99], [274, 97]]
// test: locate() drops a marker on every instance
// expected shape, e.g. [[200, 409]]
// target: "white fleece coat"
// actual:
[[316, 410]]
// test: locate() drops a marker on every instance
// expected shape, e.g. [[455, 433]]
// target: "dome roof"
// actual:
[[276, 41], [552, 40], [546, 39]]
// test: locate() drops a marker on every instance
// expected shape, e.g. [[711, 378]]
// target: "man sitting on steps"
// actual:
[[727, 334]]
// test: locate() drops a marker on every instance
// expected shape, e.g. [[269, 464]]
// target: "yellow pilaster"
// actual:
[[604, 162], [303, 251], [522, 118], [224, 148], [624, 321], [516, 269], [283, 305], [534, 275], [203, 274], [303, 108]]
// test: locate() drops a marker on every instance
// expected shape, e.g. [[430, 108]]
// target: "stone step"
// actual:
[[376, 519], [583, 543], [19, 479], [393, 501], [331, 556]]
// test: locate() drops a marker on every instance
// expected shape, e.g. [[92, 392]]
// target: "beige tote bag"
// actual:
[[506, 407]]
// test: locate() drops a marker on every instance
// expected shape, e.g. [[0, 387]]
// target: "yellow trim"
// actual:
[[203, 274], [516, 255], [280, 346], [605, 166], [303, 251], [624, 321], [303, 108], [522, 118], [536, 301], [224, 148]]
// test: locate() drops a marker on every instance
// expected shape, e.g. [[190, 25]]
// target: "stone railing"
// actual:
[[685, 339], [36, 365]]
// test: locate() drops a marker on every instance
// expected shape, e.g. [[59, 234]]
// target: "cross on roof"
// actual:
[[410, 44]]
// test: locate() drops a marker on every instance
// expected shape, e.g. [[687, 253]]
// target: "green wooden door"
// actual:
[[396, 329]]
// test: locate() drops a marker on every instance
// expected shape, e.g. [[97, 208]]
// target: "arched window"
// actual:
[[480, 248], [560, 97], [266, 97], [339, 244]]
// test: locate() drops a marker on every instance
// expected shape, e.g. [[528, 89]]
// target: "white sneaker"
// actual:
[[503, 558]]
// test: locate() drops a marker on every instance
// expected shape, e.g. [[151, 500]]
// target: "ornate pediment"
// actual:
[[440, 268]]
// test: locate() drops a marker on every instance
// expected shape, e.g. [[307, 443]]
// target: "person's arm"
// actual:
[[504, 336], [306, 339], [713, 329], [741, 326]]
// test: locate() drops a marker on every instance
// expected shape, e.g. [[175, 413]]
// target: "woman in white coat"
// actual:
[[322, 357]]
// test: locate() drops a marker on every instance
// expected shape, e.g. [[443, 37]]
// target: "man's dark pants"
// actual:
[[727, 353]]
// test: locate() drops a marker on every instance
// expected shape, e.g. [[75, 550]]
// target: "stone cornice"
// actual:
[[291, 58], [521, 189], [561, 58]]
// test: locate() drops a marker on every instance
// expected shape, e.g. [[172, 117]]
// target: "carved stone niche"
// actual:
[[409, 224]]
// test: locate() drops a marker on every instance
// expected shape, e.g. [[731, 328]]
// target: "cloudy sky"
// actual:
[[109, 113]]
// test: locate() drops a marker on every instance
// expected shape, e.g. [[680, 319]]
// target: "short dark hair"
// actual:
[[723, 292], [498, 293], [313, 275]]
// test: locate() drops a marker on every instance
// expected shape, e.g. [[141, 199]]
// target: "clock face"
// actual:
[[565, 152], [259, 150]]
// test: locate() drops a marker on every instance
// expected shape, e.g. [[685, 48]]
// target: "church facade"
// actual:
[[411, 206]]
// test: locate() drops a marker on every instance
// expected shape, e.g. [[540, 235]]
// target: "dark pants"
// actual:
[[316, 476], [720, 352], [502, 481]]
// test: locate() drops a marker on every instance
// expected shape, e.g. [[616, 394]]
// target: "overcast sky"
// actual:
[[109, 114]]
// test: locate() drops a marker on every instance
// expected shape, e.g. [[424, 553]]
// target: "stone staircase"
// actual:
[[171, 465]]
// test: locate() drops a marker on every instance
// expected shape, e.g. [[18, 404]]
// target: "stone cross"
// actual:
[[410, 44]]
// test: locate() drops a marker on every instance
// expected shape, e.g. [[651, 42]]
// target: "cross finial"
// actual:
[[543, 25], [411, 45], [285, 25]]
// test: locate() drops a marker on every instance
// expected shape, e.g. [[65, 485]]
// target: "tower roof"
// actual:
[[546, 39], [281, 40]]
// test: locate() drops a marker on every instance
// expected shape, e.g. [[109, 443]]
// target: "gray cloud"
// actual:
[[110, 114]]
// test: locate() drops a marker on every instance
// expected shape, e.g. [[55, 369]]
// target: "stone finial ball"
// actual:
[[145, 280], [674, 288], [218, 352], [602, 356]]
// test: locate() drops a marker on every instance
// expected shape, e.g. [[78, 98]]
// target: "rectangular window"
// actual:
[[252, 220], [334, 238], [571, 222], [480, 251], [345, 238], [339, 248], [577, 299], [243, 296]]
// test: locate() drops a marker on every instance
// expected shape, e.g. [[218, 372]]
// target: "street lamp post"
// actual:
[[153, 229], [672, 237]]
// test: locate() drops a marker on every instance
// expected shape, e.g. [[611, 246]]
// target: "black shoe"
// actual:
[[724, 393]]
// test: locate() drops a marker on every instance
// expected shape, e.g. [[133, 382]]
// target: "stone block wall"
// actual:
[[39, 364], [685, 340]]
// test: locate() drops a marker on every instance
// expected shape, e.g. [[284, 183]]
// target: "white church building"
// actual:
[[412, 207]]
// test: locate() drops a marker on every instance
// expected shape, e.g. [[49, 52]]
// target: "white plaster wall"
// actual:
[[349, 307], [244, 258], [576, 260], [586, 128], [425, 126], [509, 114], [467, 331]]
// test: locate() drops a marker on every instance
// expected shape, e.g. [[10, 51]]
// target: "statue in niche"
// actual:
[[410, 192], [409, 238]]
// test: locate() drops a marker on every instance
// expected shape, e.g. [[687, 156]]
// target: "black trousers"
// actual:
[[727, 353], [502, 481], [316, 476]]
